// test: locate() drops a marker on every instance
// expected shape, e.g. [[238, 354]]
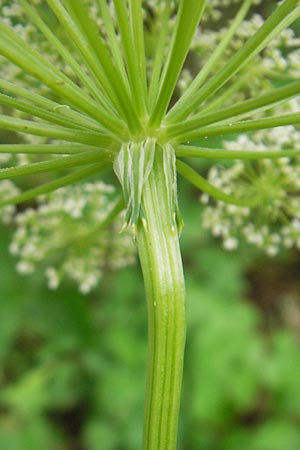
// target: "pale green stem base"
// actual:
[[160, 258]]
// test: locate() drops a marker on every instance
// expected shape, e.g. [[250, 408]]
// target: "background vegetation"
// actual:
[[73, 367]]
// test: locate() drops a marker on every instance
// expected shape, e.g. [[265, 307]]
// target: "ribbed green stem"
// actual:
[[160, 258]]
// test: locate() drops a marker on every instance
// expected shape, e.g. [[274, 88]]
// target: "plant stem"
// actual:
[[159, 252]]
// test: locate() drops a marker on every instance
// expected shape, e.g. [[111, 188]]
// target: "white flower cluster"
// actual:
[[280, 59], [65, 233], [7, 190], [214, 8], [273, 222]]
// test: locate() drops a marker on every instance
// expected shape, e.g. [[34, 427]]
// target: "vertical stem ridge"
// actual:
[[160, 259]]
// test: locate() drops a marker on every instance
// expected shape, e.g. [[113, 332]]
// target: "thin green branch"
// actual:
[[112, 40], [87, 236], [245, 126], [16, 44], [280, 75], [132, 42], [227, 93], [237, 111], [46, 149], [201, 183], [55, 184], [93, 87], [115, 211], [56, 132], [50, 105], [21, 54], [39, 112], [183, 106], [283, 16], [94, 50], [189, 151], [66, 162], [160, 43], [188, 18], [139, 56], [82, 34]]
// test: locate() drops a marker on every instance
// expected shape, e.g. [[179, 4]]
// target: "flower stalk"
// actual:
[[160, 258]]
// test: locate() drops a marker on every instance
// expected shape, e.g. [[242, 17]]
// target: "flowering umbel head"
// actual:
[[67, 224], [100, 85], [273, 222]]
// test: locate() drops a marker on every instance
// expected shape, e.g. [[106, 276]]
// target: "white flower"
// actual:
[[77, 246], [230, 243], [270, 182], [7, 190]]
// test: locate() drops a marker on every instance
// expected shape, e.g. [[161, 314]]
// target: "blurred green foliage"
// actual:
[[73, 368]]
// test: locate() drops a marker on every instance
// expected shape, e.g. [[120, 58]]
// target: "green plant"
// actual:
[[118, 109]]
